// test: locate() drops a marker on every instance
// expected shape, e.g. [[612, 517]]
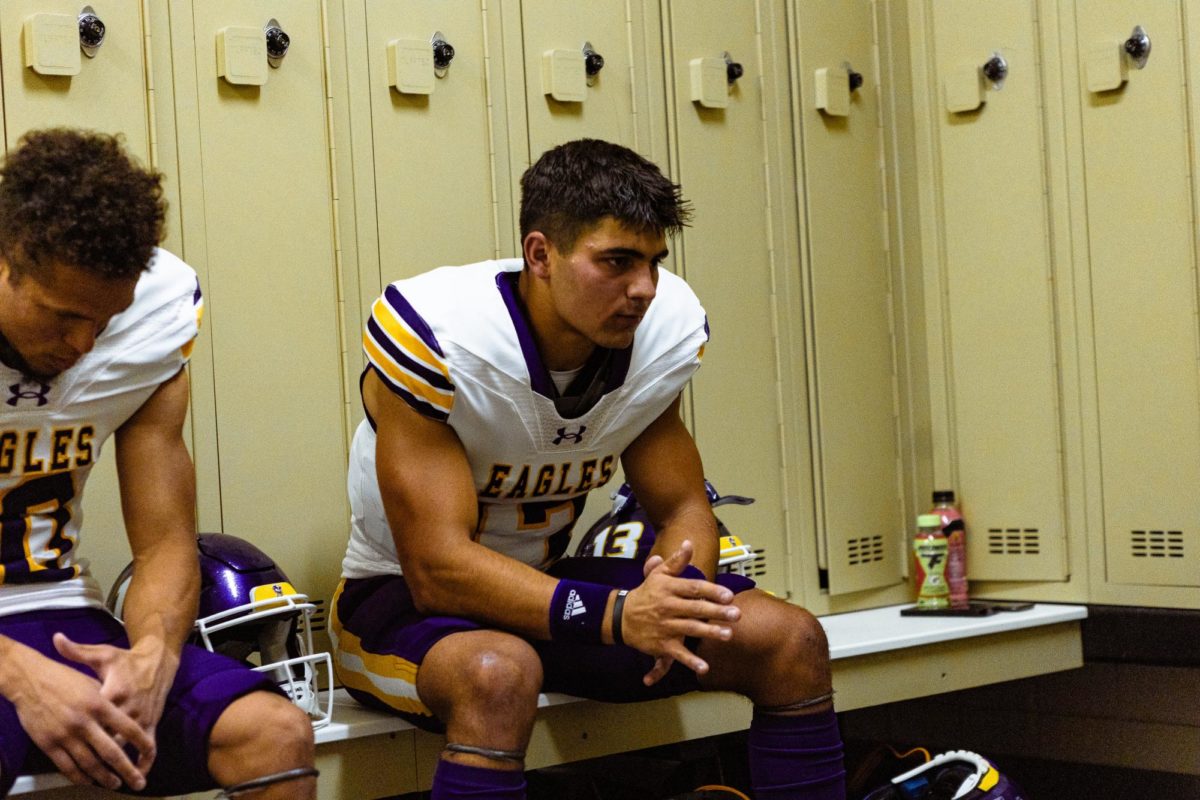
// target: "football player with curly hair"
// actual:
[[96, 326]]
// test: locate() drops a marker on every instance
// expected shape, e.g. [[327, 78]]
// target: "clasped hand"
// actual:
[[82, 723], [666, 609]]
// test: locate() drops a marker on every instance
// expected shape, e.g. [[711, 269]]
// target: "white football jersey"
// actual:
[[51, 434], [454, 344]]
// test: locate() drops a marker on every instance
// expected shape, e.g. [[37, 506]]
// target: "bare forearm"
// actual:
[[696, 525], [429, 497], [477, 583], [674, 498], [158, 499], [163, 594], [15, 660]]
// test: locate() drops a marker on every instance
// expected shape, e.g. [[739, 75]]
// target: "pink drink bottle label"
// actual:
[[956, 553]]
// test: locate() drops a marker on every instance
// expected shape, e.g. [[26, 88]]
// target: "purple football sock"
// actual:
[[452, 781], [797, 757]]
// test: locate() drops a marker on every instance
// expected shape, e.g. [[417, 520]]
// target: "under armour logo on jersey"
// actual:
[[574, 606], [18, 395], [572, 436]]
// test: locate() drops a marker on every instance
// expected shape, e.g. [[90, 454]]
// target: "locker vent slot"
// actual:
[[1157, 544], [757, 567], [864, 550], [1014, 541]]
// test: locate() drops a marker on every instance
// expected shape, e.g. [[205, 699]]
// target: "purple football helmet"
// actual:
[[626, 532], [953, 775], [250, 611]]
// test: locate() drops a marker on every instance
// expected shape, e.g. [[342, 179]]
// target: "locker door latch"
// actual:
[[965, 85], [91, 32], [1138, 47], [833, 88], [278, 43]]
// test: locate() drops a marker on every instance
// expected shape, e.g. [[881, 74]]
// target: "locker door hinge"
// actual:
[[339, 273]]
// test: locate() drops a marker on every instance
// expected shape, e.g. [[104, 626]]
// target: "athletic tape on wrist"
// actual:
[[618, 607], [577, 611]]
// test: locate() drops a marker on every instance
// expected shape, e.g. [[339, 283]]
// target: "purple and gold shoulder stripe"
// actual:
[[198, 307], [406, 355]]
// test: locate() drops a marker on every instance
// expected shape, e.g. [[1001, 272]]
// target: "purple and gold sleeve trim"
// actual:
[[402, 349], [198, 306]]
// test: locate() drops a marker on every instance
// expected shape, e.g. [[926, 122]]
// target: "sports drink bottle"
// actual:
[[929, 548]]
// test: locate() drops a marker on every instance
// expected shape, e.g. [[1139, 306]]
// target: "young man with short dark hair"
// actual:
[[497, 396]]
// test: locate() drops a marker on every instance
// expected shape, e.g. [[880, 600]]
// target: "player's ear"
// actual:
[[536, 248]]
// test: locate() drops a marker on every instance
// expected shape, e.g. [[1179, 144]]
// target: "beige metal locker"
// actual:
[[569, 93], [438, 137], [993, 291], [851, 357], [258, 225], [1141, 238], [425, 138], [108, 91], [720, 147]]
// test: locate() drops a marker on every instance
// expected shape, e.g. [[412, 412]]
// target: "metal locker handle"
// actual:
[[1138, 47], [91, 32]]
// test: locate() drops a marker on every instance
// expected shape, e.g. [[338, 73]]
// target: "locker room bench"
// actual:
[[878, 657]]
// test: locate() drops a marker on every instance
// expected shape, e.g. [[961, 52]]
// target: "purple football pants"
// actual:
[[205, 685]]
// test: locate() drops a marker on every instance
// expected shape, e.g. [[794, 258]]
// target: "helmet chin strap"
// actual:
[[239, 789]]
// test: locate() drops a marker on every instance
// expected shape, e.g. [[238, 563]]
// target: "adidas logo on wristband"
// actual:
[[570, 617], [574, 606]]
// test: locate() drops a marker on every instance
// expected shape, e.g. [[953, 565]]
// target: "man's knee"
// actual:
[[778, 650], [803, 635], [499, 675], [259, 734], [779, 631], [489, 674]]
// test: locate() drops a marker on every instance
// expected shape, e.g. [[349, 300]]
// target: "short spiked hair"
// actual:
[[575, 185]]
